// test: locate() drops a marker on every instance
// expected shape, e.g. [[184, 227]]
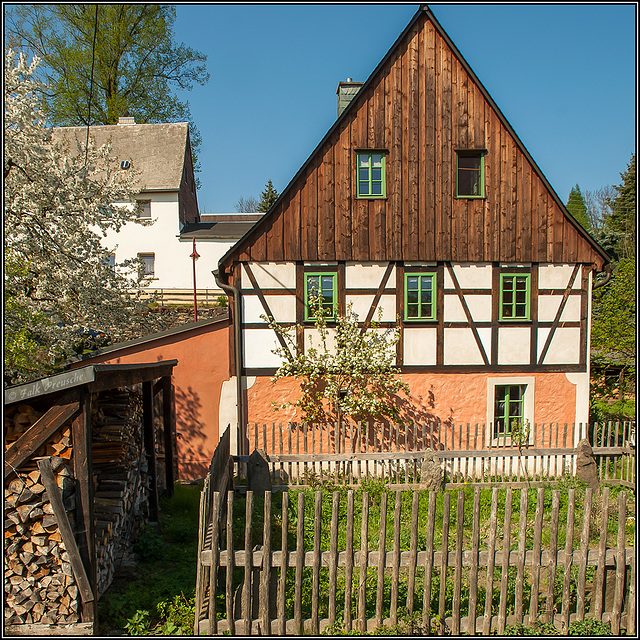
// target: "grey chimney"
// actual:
[[346, 92]]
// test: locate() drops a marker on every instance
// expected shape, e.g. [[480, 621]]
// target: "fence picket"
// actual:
[[413, 558], [473, 577], [248, 563], [315, 594], [522, 538], [348, 569], [506, 547], [333, 557], [457, 576], [213, 573], [382, 541], [284, 564], [553, 555], [396, 559], [491, 546], [364, 556], [568, 559], [602, 548], [444, 558], [265, 614], [537, 550], [297, 594], [620, 564], [584, 546], [428, 567], [230, 556]]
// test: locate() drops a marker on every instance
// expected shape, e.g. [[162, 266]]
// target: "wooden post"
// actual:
[[169, 428], [150, 448], [83, 472]]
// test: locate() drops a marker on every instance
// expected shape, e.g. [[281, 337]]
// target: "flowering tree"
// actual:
[[349, 373], [59, 203]]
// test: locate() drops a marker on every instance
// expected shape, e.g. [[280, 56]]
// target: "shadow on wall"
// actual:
[[194, 446]]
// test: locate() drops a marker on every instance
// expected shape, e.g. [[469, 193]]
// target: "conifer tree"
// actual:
[[578, 208], [267, 198]]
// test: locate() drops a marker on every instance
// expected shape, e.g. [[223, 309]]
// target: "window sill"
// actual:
[[470, 197], [372, 198]]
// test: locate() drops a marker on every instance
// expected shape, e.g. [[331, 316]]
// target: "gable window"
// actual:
[[148, 263], [371, 178], [509, 408], [470, 174], [419, 296], [144, 208], [322, 285], [515, 296]]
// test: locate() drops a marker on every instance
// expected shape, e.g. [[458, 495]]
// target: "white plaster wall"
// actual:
[[564, 347], [469, 276], [548, 307], [556, 276], [173, 265], [271, 275], [362, 304], [367, 275], [479, 306], [283, 308], [258, 347], [514, 345], [460, 347], [581, 380], [419, 346], [228, 411], [312, 339]]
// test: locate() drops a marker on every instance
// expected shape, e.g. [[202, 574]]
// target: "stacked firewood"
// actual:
[[39, 584], [121, 479]]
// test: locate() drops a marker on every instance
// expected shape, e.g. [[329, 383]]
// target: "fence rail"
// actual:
[[350, 452], [364, 565], [206, 297]]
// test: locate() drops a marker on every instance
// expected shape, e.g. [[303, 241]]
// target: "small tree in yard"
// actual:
[[350, 374], [58, 204]]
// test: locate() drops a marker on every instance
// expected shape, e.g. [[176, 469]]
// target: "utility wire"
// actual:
[[93, 60]]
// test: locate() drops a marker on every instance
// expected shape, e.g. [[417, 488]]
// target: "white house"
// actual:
[[162, 154]]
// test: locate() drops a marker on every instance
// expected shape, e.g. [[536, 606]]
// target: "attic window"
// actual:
[[144, 209], [470, 174], [125, 164], [371, 179]]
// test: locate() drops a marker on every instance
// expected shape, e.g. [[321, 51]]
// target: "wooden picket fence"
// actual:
[[347, 453], [361, 565]]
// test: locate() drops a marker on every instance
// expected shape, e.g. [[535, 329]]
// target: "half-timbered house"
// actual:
[[422, 200]]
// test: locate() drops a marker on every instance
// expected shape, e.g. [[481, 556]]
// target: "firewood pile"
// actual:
[[121, 478], [38, 580], [40, 587]]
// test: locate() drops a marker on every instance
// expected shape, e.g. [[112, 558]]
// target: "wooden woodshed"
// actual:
[[86, 454]]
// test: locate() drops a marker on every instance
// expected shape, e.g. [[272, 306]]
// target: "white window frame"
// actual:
[[143, 208], [527, 409]]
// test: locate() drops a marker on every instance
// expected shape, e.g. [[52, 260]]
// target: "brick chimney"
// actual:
[[346, 92]]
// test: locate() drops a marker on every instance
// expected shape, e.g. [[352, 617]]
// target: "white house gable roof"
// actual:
[[157, 150]]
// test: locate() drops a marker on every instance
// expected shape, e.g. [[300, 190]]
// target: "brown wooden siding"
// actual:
[[420, 106]]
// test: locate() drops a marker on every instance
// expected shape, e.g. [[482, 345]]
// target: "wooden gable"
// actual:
[[420, 105]]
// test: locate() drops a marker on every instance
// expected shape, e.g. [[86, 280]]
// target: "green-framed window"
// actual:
[[324, 285], [419, 296], [515, 296], [470, 174], [371, 174], [508, 408]]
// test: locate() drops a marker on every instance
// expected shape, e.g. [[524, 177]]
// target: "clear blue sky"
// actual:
[[564, 76]]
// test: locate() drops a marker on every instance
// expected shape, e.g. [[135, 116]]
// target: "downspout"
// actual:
[[235, 294], [607, 277]]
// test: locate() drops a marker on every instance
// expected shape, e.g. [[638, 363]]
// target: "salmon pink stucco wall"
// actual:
[[202, 352], [452, 399]]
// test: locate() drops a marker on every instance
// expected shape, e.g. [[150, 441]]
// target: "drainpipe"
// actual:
[[235, 294], [607, 277]]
